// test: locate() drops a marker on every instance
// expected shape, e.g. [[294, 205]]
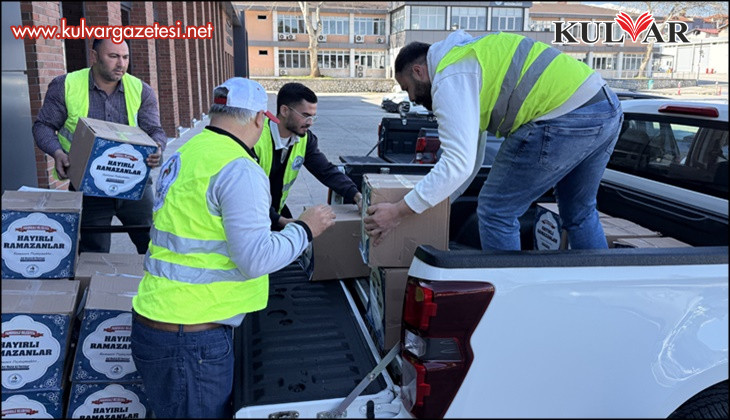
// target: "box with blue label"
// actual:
[[33, 405], [103, 352], [36, 324], [385, 305], [40, 234], [109, 159], [107, 400]]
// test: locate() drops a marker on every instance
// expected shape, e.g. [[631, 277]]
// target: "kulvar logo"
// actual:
[[585, 32]]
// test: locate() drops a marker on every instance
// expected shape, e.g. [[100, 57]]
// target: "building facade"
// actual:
[[362, 39], [353, 40]]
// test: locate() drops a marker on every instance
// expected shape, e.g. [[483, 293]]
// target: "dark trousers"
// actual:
[[99, 211]]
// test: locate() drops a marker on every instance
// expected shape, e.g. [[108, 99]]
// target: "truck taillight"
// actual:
[[439, 319], [420, 144]]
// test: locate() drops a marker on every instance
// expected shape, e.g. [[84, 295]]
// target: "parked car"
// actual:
[[391, 102]]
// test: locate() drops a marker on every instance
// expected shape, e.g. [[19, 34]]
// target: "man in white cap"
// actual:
[[209, 257]]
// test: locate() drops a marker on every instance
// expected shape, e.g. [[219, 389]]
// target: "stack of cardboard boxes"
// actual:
[[37, 318], [389, 261], [104, 378], [620, 233]]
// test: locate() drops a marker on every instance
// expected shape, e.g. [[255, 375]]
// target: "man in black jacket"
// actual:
[[283, 148]]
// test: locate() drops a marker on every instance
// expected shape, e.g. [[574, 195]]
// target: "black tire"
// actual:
[[711, 403]]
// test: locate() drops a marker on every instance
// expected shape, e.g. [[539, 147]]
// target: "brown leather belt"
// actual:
[[165, 326]]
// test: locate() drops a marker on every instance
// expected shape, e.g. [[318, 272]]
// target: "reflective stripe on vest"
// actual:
[[536, 80], [189, 275], [265, 151]]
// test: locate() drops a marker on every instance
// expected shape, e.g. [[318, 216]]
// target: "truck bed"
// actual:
[[307, 340]]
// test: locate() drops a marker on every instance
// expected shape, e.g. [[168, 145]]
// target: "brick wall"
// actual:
[[142, 51], [44, 60], [167, 67]]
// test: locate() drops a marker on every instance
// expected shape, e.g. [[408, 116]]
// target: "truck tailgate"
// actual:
[[305, 352]]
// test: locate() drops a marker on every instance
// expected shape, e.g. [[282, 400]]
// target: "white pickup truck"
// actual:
[[635, 332]]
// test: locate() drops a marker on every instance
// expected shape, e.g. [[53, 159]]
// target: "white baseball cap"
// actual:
[[247, 94]]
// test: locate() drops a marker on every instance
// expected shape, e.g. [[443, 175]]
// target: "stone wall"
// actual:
[[643, 84], [329, 85]]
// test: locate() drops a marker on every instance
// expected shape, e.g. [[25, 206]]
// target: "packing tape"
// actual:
[[404, 181]]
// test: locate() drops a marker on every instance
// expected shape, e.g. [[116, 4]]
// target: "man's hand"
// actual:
[[62, 163], [155, 159], [318, 218], [383, 218], [358, 201]]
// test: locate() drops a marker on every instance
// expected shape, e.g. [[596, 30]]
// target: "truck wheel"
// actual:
[[711, 403]]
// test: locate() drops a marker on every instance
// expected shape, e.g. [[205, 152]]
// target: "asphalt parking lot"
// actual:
[[347, 125]]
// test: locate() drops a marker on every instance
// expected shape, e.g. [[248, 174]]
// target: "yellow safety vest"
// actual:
[[77, 102], [522, 79], [76, 88], [264, 149], [189, 276]]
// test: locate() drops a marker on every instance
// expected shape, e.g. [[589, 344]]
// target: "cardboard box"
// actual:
[[109, 159], [33, 405], [90, 263], [385, 305], [615, 228], [40, 234], [36, 324], [336, 252], [428, 228], [550, 235], [107, 400], [650, 242], [103, 352]]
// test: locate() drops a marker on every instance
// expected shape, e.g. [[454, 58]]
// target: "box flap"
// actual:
[[56, 296], [118, 132], [51, 201], [90, 263]]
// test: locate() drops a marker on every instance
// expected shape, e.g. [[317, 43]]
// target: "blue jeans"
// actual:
[[99, 211], [568, 153], [185, 375]]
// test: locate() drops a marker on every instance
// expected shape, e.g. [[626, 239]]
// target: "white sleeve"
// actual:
[[456, 106], [239, 193]]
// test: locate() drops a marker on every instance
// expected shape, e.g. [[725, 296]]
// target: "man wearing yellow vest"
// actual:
[[559, 119], [288, 145], [103, 92], [210, 255]]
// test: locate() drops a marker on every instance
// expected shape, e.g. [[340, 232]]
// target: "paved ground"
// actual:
[[347, 125]]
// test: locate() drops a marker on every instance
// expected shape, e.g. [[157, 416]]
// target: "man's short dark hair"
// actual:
[[413, 53], [97, 42], [292, 93]]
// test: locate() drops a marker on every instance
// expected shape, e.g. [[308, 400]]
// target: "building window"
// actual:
[[424, 17], [263, 52], [632, 61], [291, 24], [541, 25], [398, 20], [294, 59], [335, 26], [334, 59], [370, 59], [469, 18], [506, 19], [369, 26], [261, 17]]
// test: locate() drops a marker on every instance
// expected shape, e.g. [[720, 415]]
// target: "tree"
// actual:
[[664, 11], [314, 28]]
